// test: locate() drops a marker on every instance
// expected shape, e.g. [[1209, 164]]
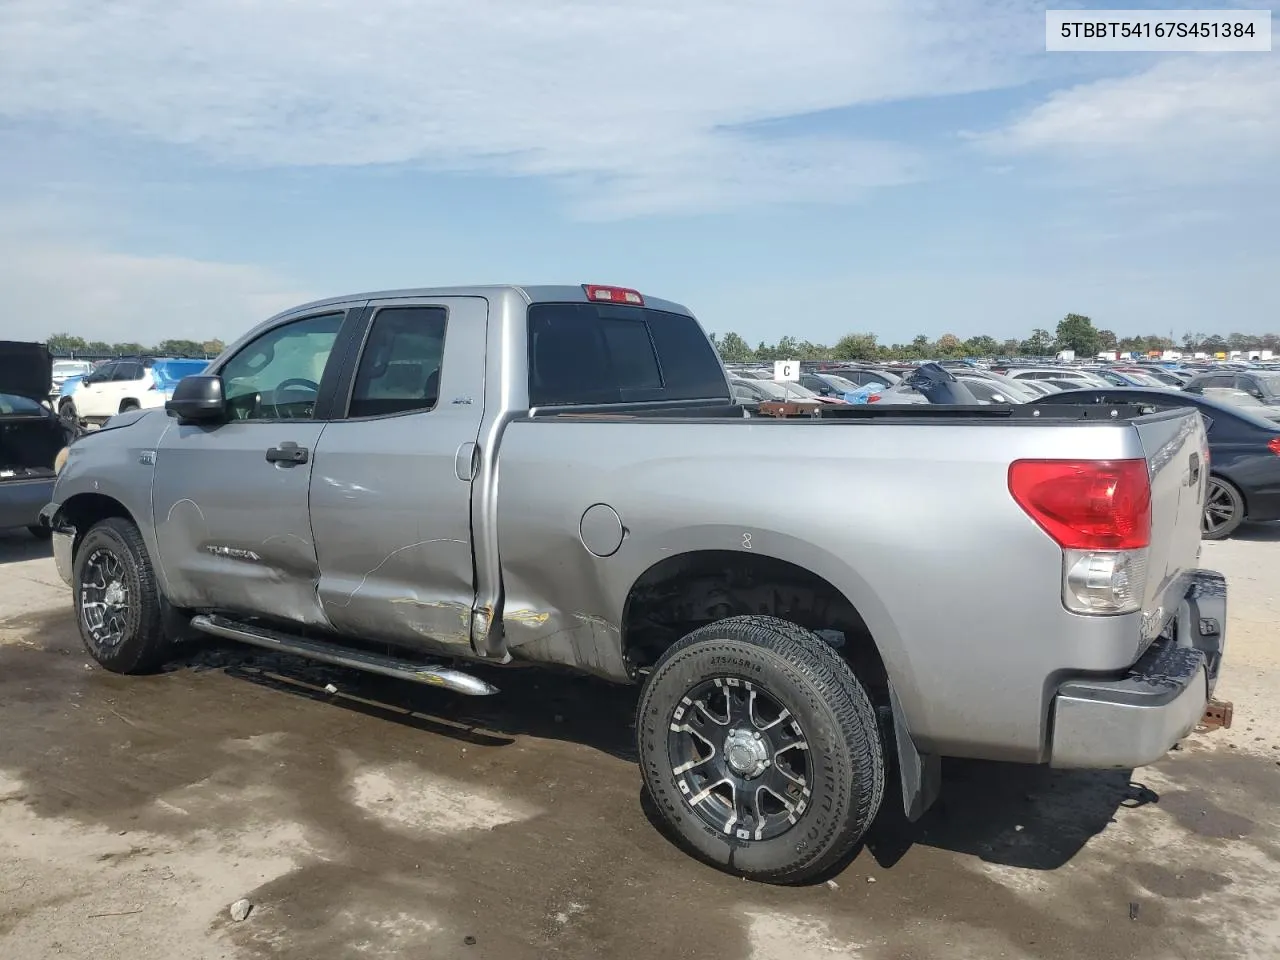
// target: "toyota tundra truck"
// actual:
[[417, 482]]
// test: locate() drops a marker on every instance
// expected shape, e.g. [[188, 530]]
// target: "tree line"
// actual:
[[1074, 332], [67, 345]]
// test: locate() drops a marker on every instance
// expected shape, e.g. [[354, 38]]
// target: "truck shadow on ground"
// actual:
[[1009, 814], [18, 546], [1258, 532]]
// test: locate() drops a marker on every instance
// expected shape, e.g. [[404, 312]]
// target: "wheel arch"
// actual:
[[682, 592]]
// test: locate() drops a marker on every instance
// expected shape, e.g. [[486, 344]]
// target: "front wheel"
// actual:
[[117, 599], [1223, 509], [760, 749]]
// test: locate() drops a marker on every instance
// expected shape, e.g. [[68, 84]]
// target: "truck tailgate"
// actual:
[[1177, 455]]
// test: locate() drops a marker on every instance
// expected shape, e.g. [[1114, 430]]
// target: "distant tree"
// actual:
[[97, 346], [1039, 344], [1214, 344], [1238, 341], [127, 349], [65, 343], [180, 348], [856, 346], [921, 347], [764, 352], [1077, 332], [787, 348], [1009, 348], [814, 351], [948, 345], [982, 346], [1107, 340], [733, 349]]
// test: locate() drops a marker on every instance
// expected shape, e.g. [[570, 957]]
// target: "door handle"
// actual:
[[287, 454]]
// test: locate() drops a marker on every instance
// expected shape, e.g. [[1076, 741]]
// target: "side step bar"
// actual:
[[435, 676]]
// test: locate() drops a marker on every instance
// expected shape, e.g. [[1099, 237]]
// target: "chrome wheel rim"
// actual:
[[1219, 508], [104, 599], [740, 758]]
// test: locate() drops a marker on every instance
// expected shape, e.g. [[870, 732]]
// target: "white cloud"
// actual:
[[53, 285], [631, 102], [1186, 119]]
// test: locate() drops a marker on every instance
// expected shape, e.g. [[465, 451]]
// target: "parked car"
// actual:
[[409, 481], [1055, 375], [128, 383], [863, 376], [1126, 378], [64, 369], [1244, 454], [828, 384], [31, 435], [1262, 386], [758, 391]]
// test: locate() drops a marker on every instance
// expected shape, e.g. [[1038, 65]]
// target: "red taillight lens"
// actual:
[[612, 294], [1274, 445], [1086, 504]]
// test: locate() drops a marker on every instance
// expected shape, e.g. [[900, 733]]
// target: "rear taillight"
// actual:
[[1099, 513], [1086, 504], [1274, 445]]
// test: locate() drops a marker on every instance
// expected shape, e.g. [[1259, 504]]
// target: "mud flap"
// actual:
[[920, 774]]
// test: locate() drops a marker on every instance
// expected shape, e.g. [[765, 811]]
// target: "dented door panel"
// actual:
[[391, 503], [232, 528]]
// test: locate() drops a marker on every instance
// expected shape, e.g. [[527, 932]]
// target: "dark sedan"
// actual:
[[1244, 454]]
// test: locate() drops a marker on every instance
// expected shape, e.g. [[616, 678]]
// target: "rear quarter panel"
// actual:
[[914, 523]]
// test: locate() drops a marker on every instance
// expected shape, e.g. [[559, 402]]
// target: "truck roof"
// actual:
[[530, 293]]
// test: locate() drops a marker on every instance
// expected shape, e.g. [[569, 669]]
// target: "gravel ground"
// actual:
[[388, 821]]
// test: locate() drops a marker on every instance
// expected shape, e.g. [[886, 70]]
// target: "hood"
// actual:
[[26, 369]]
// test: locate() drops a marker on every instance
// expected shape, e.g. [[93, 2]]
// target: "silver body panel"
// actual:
[[459, 530]]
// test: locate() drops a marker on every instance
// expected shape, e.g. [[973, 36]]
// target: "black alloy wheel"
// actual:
[[741, 759], [118, 605], [760, 750], [1223, 509]]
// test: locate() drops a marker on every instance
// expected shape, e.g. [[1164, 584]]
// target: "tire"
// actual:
[[747, 671], [127, 634], [127, 405], [40, 532], [1223, 509], [67, 411]]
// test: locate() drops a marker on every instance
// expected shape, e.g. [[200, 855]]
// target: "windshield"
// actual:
[[840, 383], [11, 404], [1269, 382], [65, 368]]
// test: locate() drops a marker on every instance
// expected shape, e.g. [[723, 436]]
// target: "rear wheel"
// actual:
[[127, 405], [67, 411], [117, 600], [761, 749], [1223, 509]]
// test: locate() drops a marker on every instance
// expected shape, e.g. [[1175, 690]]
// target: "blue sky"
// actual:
[[810, 168]]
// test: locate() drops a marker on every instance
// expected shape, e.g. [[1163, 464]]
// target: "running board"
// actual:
[[386, 666]]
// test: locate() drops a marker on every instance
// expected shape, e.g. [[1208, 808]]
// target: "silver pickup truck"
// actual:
[[409, 481]]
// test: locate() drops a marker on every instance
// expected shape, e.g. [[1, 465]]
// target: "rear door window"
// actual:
[[399, 369], [589, 353]]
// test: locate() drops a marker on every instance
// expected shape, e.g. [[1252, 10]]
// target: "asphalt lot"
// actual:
[[391, 821]]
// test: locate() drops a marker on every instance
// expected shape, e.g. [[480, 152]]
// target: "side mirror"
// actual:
[[1255, 393], [198, 399]]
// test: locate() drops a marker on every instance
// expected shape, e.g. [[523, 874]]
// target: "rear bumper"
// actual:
[[22, 500], [1132, 720]]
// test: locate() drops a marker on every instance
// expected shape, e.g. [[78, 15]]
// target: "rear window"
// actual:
[[585, 353]]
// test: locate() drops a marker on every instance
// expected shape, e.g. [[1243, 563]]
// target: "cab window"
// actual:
[[276, 376], [399, 368]]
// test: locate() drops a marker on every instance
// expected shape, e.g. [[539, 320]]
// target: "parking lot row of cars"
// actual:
[[1240, 406]]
